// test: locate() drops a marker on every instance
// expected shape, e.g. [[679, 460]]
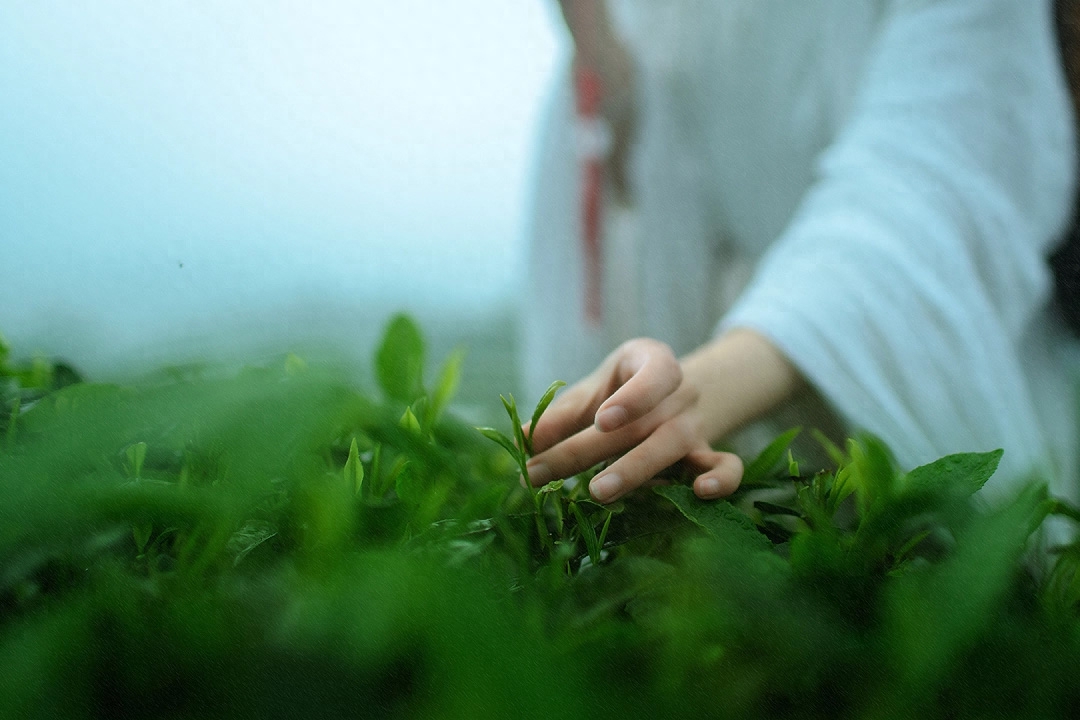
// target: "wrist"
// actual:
[[739, 377]]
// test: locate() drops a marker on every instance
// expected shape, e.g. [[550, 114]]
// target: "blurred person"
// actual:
[[750, 213]]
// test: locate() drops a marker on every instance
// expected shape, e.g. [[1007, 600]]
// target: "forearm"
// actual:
[[740, 377], [591, 29]]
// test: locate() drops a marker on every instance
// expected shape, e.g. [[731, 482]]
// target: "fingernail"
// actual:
[[611, 419], [605, 487], [539, 474], [710, 487]]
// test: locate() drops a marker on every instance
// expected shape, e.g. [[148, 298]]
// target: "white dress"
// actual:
[[874, 185]]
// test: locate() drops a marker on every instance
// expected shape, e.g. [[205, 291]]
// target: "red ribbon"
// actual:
[[588, 93]]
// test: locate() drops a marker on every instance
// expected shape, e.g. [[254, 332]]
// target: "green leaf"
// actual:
[[588, 534], [835, 453], [399, 360], [964, 474], [772, 509], [446, 386], [1057, 506], [515, 421], [911, 544], [872, 471], [409, 422], [354, 469], [136, 455], [541, 406], [294, 364], [422, 412], [141, 533], [248, 538], [411, 485], [376, 483], [838, 490], [1061, 591], [935, 617], [553, 486], [758, 471], [604, 530], [718, 518], [397, 469], [508, 444]]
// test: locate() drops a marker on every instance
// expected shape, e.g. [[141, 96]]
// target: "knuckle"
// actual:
[[572, 460], [691, 394], [636, 343], [685, 429], [735, 464], [639, 432]]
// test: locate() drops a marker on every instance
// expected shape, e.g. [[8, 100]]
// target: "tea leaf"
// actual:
[[397, 469], [758, 471], [354, 469], [136, 455], [508, 444], [410, 484], [553, 486], [934, 617], [515, 422], [141, 533], [835, 453], [376, 472], [717, 518], [604, 530], [541, 406], [399, 360], [294, 364], [588, 534], [964, 473], [409, 422], [447, 384], [872, 471], [249, 537], [424, 416], [911, 544], [771, 509]]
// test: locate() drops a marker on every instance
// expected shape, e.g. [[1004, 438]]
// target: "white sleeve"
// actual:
[[904, 285]]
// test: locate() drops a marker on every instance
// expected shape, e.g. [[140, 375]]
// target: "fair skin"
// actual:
[[598, 48], [649, 410], [643, 407]]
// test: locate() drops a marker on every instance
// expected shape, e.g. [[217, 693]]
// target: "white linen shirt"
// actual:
[[874, 185]]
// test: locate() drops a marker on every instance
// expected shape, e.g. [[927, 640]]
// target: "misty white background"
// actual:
[[184, 180]]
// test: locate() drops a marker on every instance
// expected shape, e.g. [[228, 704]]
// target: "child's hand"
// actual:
[[639, 405]]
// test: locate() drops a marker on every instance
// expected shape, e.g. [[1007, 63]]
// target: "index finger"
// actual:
[[629, 384], [570, 412], [646, 372]]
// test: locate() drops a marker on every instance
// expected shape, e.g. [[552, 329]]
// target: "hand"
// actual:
[[598, 47], [637, 404], [618, 106]]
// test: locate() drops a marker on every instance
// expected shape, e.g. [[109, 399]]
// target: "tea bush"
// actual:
[[278, 543]]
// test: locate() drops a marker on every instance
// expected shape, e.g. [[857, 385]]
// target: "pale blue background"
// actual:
[[185, 179]]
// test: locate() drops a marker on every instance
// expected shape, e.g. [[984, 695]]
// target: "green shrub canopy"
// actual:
[[277, 543]]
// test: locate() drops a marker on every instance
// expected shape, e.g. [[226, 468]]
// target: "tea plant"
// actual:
[[571, 514], [275, 542]]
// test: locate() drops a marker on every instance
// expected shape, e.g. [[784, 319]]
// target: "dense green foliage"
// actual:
[[277, 543]]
